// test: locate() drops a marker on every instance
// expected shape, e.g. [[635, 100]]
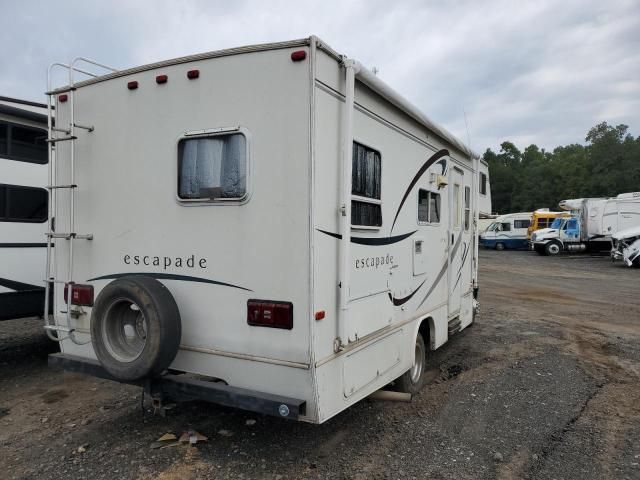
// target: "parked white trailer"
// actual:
[[272, 216], [23, 207]]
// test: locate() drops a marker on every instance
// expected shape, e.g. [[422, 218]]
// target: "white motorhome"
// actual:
[[273, 216], [507, 231], [23, 207], [592, 223]]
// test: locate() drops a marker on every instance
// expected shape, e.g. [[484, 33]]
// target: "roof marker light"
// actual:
[[320, 315], [298, 55], [161, 79], [63, 98], [132, 85], [191, 74]]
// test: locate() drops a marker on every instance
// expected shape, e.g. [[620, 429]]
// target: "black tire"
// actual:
[[150, 343], [552, 248], [500, 246], [413, 381]]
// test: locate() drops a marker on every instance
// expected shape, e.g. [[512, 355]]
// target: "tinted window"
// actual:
[[505, 227], [212, 168], [4, 133], [26, 144], [366, 178], [467, 207], [521, 223], [483, 183], [23, 204], [428, 206], [363, 213], [366, 172]]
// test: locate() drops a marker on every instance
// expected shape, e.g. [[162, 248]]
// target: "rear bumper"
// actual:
[[182, 388]]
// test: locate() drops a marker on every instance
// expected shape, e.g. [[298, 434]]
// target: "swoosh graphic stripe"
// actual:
[[168, 276], [401, 301], [464, 257], [373, 241], [440, 273], [18, 286], [434, 158]]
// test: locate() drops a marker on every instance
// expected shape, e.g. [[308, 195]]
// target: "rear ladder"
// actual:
[[57, 134]]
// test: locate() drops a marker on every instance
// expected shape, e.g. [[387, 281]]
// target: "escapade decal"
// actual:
[[189, 262]]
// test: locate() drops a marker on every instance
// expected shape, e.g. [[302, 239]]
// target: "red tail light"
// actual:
[[80, 294], [191, 74], [298, 56], [270, 313]]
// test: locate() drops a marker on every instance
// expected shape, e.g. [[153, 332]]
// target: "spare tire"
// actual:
[[135, 328]]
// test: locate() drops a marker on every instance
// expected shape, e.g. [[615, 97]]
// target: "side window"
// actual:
[[428, 207], [572, 224], [467, 207], [456, 205], [213, 168], [483, 183], [23, 204], [506, 227], [22, 143], [366, 176], [521, 223]]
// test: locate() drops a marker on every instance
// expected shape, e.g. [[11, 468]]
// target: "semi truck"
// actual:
[[591, 225]]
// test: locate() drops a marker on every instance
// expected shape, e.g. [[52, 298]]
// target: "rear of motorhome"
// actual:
[[507, 232], [272, 217], [23, 207]]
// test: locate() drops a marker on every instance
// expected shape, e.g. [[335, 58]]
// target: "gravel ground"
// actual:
[[543, 386]]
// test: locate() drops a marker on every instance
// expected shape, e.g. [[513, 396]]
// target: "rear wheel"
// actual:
[[413, 380], [500, 246], [552, 248]]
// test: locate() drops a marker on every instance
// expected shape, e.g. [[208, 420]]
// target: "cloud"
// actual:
[[531, 72]]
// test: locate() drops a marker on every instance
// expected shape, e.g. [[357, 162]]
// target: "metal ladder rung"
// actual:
[[53, 280], [67, 236], [89, 128], [61, 130], [61, 139], [59, 327], [53, 187]]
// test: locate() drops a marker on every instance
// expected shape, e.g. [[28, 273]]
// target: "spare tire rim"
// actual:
[[418, 364], [124, 330]]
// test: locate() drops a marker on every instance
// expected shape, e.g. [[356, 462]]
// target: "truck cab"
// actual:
[[563, 234]]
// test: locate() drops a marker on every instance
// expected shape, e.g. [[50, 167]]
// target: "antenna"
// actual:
[[466, 124]]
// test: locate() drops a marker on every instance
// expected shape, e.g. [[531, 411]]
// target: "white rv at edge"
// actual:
[[272, 216], [23, 207]]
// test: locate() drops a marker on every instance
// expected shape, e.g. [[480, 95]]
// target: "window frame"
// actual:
[[9, 125], [482, 188], [4, 219], [209, 133], [428, 222], [466, 214], [359, 198]]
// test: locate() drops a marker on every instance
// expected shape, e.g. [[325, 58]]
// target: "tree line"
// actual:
[[607, 165]]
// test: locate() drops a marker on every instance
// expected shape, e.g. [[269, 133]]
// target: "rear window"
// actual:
[[23, 204], [213, 168]]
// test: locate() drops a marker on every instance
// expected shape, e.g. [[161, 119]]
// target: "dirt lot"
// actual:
[[544, 385]]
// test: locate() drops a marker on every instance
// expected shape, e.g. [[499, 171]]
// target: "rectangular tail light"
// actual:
[[270, 313], [80, 294]]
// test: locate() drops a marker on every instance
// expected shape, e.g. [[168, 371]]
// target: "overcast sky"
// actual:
[[539, 72]]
